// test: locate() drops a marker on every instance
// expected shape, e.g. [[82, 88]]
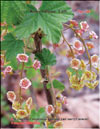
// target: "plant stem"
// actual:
[[21, 75], [68, 45], [38, 44], [82, 40]]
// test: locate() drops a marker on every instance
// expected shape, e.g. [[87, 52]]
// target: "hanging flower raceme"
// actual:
[[73, 23], [22, 57], [11, 96], [75, 63], [36, 64], [93, 35], [90, 45], [84, 26], [25, 83], [49, 109]]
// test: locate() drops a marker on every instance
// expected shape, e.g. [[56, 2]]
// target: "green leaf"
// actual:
[[40, 114], [72, 71], [79, 71], [12, 47], [58, 85], [49, 85], [13, 11], [5, 121], [30, 73], [46, 58], [49, 18]]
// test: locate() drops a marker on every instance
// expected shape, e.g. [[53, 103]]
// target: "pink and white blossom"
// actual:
[[25, 83], [77, 45], [95, 60], [8, 69], [93, 35], [36, 64], [75, 63], [74, 23], [49, 109], [22, 57], [84, 26], [11, 96]]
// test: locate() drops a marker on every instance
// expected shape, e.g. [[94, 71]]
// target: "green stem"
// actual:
[[68, 45], [21, 75]]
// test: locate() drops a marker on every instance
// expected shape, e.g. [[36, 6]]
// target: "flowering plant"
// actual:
[[26, 38]]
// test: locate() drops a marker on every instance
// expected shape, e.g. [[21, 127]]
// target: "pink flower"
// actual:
[[74, 23], [8, 69], [79, 32], [90, 45], [77, 45], [94, 60], [22, 57], [25, 83], [36, 64], [11, 96], [84, 26], [49, 109], [75, 63], [93, 35]]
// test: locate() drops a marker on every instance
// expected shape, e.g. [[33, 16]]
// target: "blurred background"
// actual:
[[81, 104]]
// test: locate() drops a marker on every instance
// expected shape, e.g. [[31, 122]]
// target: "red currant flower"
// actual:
[[84, 26], [79, 32], [90, 45], [21, 113], [75, 63], [94, 60], [11, 96], [74, 23], [36, 64], [49, 109], [8, 69], [93, 35], [25, 83], [77, 45], [22, 57]]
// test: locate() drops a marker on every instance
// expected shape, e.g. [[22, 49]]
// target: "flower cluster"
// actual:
[[57, 109], [80, 76], [21, 111]]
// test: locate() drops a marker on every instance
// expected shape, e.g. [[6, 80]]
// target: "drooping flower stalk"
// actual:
[[82, 40]]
